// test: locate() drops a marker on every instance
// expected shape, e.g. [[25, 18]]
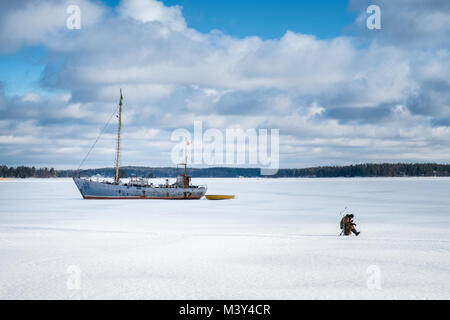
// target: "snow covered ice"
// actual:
[[277, 240]]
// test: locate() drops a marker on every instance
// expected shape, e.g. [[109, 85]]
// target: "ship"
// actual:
[[138, 188]]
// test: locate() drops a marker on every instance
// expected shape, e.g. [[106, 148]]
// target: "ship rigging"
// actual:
[[136, 188]]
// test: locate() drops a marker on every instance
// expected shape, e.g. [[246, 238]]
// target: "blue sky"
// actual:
[[268, 19], [338, 92], [265, 18], [21, 70]]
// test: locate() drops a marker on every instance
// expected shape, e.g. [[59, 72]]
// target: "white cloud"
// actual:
[[333, 100], [152, 10], [11, 139], [32, 97], [409, 23], [35, 22]]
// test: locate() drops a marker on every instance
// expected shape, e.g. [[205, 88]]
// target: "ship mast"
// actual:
[[185, 157], [116, 180]]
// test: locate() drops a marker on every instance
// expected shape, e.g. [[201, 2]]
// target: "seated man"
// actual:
[[348, 225]]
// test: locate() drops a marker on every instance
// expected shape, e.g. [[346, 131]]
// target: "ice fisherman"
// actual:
[[348, 226]]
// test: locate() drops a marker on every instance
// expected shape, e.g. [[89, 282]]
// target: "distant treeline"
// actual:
[[359, 170], [372, 170], [26, 172]]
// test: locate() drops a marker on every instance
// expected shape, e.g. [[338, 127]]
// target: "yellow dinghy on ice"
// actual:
[[219, 197]]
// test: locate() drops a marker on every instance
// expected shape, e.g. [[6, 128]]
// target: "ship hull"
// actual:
[[100, 190]]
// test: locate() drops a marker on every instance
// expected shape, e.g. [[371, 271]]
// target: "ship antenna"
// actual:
[[116, 180]]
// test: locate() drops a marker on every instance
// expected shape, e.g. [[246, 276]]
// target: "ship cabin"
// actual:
[[183, 181]]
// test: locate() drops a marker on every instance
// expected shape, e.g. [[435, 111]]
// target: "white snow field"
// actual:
[[277, 240]]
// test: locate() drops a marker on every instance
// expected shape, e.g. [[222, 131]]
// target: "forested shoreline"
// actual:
[[26, 172], [358, 170]]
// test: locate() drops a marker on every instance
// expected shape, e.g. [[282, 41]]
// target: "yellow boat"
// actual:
[[219, 197]]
